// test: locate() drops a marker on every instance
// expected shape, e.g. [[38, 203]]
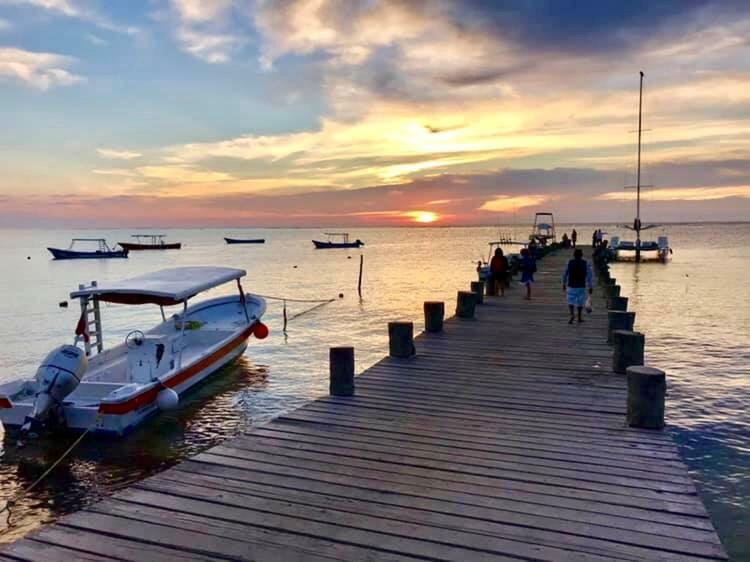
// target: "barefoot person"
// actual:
[[576, 279], [499, 270], [527, 268]]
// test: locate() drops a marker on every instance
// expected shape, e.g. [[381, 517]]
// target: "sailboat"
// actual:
[[640, 250]]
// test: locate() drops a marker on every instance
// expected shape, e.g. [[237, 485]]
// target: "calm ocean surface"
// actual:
[[694, 312]]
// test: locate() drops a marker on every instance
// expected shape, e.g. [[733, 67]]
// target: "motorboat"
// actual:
[[101, 251], [483, 267], [150, 242], [639, 250], [244, 240], [543, 231], [85, 386], [337, 240]]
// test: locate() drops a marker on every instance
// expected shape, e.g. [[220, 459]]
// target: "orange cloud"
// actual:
[[505, 204], [681, 194]]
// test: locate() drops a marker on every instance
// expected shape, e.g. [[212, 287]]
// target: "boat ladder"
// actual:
[[92, 323]]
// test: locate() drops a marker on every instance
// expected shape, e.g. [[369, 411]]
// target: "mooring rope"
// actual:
[[11, 501]]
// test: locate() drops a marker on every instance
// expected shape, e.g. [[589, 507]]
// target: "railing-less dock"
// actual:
[[504, 438]]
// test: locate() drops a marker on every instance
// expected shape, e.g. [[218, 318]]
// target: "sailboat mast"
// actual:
[[638, 180]]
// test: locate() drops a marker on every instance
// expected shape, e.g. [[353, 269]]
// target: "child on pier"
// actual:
[[576, 278], [499, 268], [527, 268]]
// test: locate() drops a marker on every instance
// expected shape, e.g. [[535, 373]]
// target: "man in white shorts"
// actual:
[[576, 279]]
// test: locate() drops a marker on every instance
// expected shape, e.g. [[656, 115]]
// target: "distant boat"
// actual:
[[543, 231], [152, 242], [102, 251], [337, 240], [640, 250], [245, 240]]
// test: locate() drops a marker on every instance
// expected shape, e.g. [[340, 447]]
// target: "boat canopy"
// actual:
[[165, 287]]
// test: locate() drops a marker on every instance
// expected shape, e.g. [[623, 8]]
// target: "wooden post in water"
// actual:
[[477, 287], [341, 371], [628, 350], [434, 312], [647, 388], [617, 303], [619, 320], [465, 304], [359, 282], [401, 339]]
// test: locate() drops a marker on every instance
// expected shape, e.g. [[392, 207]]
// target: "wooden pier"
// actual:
[[504, 438]]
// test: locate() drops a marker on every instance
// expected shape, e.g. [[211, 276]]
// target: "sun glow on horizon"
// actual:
[[423, 217]]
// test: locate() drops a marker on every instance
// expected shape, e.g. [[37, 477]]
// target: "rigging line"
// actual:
[[287, 299], [321, 304]]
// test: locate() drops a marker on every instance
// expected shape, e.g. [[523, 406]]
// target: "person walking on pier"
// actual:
[[499, 268], [527, 268], [576, 279], [574, 237]]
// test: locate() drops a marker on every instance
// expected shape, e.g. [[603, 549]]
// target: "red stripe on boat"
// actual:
[[5, 403], [148, 396]]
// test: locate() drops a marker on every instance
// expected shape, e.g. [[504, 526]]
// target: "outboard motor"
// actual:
[[57, 376]]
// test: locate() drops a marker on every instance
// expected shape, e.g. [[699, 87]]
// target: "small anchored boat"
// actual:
[[337, 240], [102, 251], [150, 242], [245, 240], [543, 231], [87, 387]]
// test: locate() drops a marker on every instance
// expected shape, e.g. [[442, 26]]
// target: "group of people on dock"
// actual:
[[577, 279]]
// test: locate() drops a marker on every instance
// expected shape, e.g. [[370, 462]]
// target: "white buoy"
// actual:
[[167, 399]]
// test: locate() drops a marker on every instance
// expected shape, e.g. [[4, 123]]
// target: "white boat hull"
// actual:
[[113, 407]]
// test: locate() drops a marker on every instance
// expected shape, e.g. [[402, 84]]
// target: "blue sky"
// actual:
[[294, 112]]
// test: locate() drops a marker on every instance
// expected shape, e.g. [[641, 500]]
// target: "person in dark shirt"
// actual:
[[576, 279], [527, 268], [574, 237], [499, 268]]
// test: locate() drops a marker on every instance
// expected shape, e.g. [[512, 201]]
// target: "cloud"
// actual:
[[5, 25], [41, 71], [681, 194], [182, 174], [507, 204], [118, 154], [75, 9], [203, 29]]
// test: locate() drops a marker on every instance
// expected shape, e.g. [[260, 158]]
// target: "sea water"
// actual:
[[694, 312]]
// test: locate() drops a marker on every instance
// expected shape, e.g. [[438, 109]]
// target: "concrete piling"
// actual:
[[341, 361], [617, 303], [477, 287], [647, 388], [465, 304], [434, 313], [619, 320], [401, 339], [628, 350]]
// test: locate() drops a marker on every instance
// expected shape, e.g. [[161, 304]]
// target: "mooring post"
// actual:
[[628, 350], [401, 339], [617, 303], [619, 320], [647, 388], [477, 287], [341, 371], [359, 281], [612, 291], [434, 312], [465, 304]]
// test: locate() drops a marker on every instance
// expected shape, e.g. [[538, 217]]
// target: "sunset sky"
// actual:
[[365, 112]]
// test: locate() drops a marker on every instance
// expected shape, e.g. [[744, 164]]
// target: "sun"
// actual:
[[423, 216]]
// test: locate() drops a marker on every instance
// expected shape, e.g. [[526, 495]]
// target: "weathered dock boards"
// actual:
[[503, 439]]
